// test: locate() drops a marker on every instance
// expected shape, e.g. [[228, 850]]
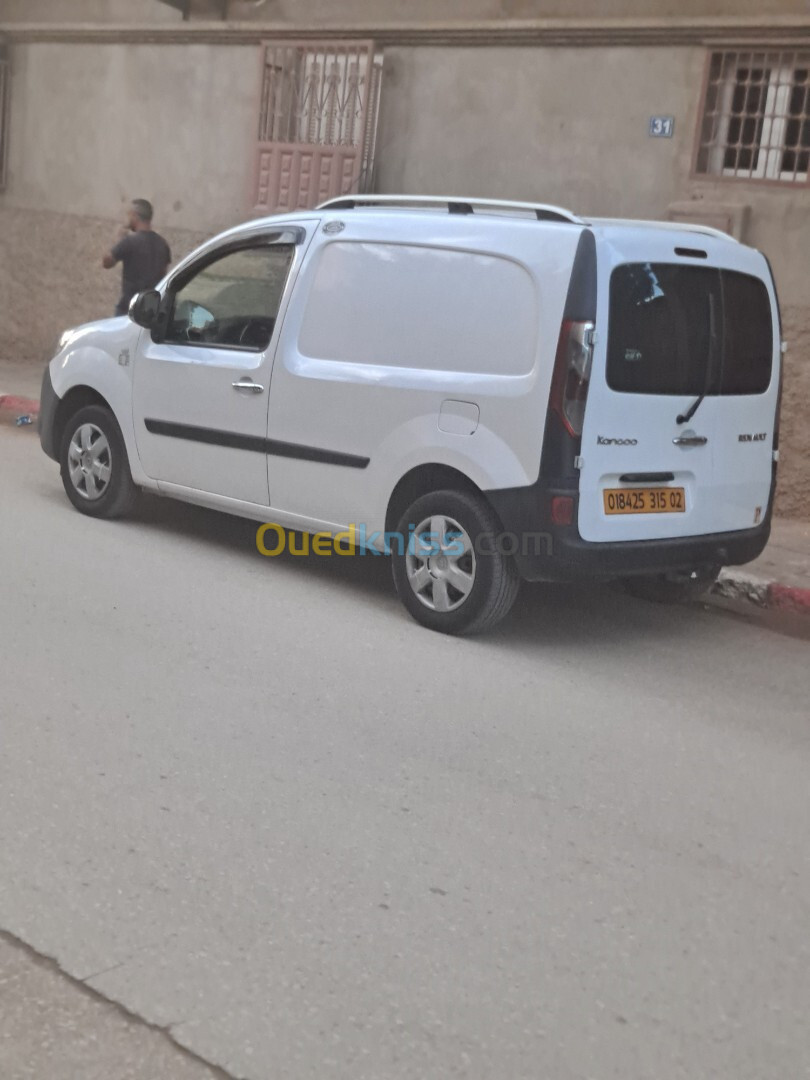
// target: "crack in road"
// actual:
[[51, 964], [104, 971], [120, 964]]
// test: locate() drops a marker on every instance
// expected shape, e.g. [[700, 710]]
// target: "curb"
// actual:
[[12, 406], [735, 584], [789, 598]]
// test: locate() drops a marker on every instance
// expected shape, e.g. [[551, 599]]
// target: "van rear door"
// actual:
[[679, 421], [746, 407]]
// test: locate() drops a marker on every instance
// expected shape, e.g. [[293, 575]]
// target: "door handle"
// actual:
[[690, 440], [246, 384]]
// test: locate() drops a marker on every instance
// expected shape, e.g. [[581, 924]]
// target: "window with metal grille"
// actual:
[[5, 88], [756, 116]]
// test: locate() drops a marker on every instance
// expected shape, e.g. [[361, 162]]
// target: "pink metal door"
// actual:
[[317, 122]]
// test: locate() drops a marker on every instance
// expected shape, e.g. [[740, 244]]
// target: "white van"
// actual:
[[487, 391]]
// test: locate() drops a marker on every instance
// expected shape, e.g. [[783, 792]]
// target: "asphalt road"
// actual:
[[253, 802]]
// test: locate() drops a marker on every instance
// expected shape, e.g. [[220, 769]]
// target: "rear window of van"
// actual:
[[688, 330]]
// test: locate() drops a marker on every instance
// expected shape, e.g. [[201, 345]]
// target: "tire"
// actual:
[[94, 464], [456, 583], [680, 588]]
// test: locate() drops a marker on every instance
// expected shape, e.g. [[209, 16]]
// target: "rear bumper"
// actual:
[[547, 552], [569, 558], [48, 404]]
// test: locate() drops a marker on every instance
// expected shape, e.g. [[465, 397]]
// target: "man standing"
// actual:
[[145, 255]]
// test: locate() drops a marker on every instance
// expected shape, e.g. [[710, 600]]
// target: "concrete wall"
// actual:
[[570, 126], [136, 12], [379, 12], [567, 126], [93, 126], [51, 276], [314, 13]]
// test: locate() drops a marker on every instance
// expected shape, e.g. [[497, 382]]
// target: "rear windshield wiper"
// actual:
[[684, 418]]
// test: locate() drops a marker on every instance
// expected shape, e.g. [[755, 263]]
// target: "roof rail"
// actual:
[[678, 226], [455, 205]]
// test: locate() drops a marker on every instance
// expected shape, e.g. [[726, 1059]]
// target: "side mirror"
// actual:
[[145, 308]]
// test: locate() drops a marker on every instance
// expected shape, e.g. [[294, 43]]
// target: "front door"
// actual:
[[200, 392]]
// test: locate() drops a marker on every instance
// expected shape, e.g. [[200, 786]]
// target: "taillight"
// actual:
[[562, 510], [572, 373]]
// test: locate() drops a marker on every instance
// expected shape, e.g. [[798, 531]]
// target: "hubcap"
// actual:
[[89, 461], [440, 563]]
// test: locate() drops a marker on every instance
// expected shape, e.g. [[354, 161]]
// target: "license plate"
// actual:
[[667, 500]]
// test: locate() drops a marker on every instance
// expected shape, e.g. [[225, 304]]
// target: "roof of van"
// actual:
[[463, 205]]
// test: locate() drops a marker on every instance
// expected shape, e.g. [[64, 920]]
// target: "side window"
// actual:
[[232, 302]]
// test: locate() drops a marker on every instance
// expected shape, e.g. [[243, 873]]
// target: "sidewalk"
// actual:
[[22, 378], [19, 389], [55, 1027], [779, 578]]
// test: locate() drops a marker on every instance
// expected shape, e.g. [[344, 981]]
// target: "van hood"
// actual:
[[103, 333]]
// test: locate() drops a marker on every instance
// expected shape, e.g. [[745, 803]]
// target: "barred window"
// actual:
[[5, 88], [756, 116]]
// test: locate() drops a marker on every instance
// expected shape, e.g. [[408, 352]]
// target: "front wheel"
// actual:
[[673, 588], [94, 464], [448, 568]]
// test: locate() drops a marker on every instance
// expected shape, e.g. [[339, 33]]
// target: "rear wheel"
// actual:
[[94, 464], [673, 588], [449, 572]]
